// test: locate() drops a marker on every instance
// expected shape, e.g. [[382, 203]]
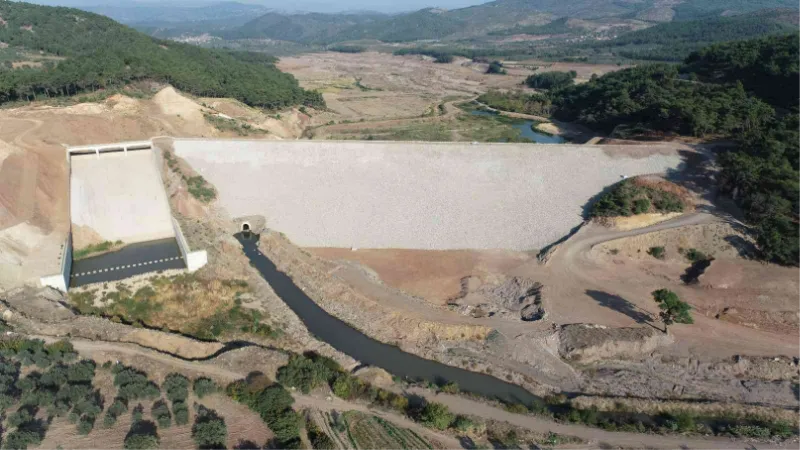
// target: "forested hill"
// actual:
[[743, 90], [672, 41], [91, 51]]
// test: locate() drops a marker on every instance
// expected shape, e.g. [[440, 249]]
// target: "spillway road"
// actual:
[[131, 260]]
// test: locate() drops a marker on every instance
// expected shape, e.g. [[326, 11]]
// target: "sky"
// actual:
[[388, 6]]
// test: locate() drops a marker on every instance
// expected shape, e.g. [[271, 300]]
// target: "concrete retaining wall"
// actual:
[[119, 196], [194, 260], [60, 280], [421, 195]]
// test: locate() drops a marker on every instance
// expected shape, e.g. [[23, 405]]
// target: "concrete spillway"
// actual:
[[119, 196], [420, 195]]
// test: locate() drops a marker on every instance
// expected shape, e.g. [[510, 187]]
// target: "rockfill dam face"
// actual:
[[416, 195]]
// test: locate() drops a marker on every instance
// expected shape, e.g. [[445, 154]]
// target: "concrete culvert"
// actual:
[[245, 226]]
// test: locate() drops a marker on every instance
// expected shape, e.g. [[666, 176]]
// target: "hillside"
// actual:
[[90, 51], [305, 28], [672, 41], [746, 91], [500, 17]]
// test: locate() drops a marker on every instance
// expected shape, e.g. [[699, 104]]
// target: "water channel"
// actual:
[[350, 341]]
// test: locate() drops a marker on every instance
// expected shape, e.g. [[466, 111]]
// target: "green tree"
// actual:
[[204, 386], [209, 430], [673, 310], [141, 442], [436, 415]]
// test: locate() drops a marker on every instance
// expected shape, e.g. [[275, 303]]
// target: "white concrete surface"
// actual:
[[193, 259], [368, 194], [120, 196], [60, 280]]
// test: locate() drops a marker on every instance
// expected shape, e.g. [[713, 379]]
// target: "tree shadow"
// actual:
[[745, 248], [693, 272], [620, 305], [246, 445]]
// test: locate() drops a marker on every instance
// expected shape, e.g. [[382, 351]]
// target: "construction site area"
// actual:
[[475, 262]]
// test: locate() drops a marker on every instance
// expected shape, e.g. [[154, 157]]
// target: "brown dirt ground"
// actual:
[[432, 275]]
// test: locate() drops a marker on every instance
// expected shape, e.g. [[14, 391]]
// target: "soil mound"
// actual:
[[587, 342], [514, 297]]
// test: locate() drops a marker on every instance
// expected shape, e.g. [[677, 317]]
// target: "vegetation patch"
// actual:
[[93, 249], [188, 303], [630, 197], [197, 186], [519, 102], [226, 124], [551, 80]]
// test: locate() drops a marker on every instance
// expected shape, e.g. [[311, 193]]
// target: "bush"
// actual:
[[752, 431], [161, 415], [627, 198], [181, 412], [517, 408], [21, 439], [141, 441], [436, 415], [204, 386], [463, 424], [308, 372], [450, 388], [138, 413], [209, 430], [641, 206], [656, 252], [133, 384], [695, 255], [176, 387], [274, 405], [551, 80]]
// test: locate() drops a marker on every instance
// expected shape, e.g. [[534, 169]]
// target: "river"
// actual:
[[350, 341]]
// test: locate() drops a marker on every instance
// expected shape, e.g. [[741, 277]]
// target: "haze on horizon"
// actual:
[[384, 6]]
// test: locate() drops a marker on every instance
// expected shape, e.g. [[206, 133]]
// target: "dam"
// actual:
[[417, 195]]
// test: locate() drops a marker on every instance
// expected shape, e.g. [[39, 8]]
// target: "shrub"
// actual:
[[627, 198], [308, 372], [656, 252], [695, 255], [463, 424], [673, 310], [133, 384], [209, 430], [436, 415], [141, 441], [21, 439], [753, 431], [138, 413], [85, 425], [181, 412], [517, 408], [450, 388], [176, 387], [551, 80], [204, 386], [641, 206], [161, 415]]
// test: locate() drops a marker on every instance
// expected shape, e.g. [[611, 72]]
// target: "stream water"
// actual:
[[526, 129], [350, 341]]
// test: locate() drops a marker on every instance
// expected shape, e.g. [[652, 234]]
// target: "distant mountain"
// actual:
[[305, 28], [226, 19]]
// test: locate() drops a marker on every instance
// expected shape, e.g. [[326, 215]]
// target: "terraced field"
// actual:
[[356, 430]]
